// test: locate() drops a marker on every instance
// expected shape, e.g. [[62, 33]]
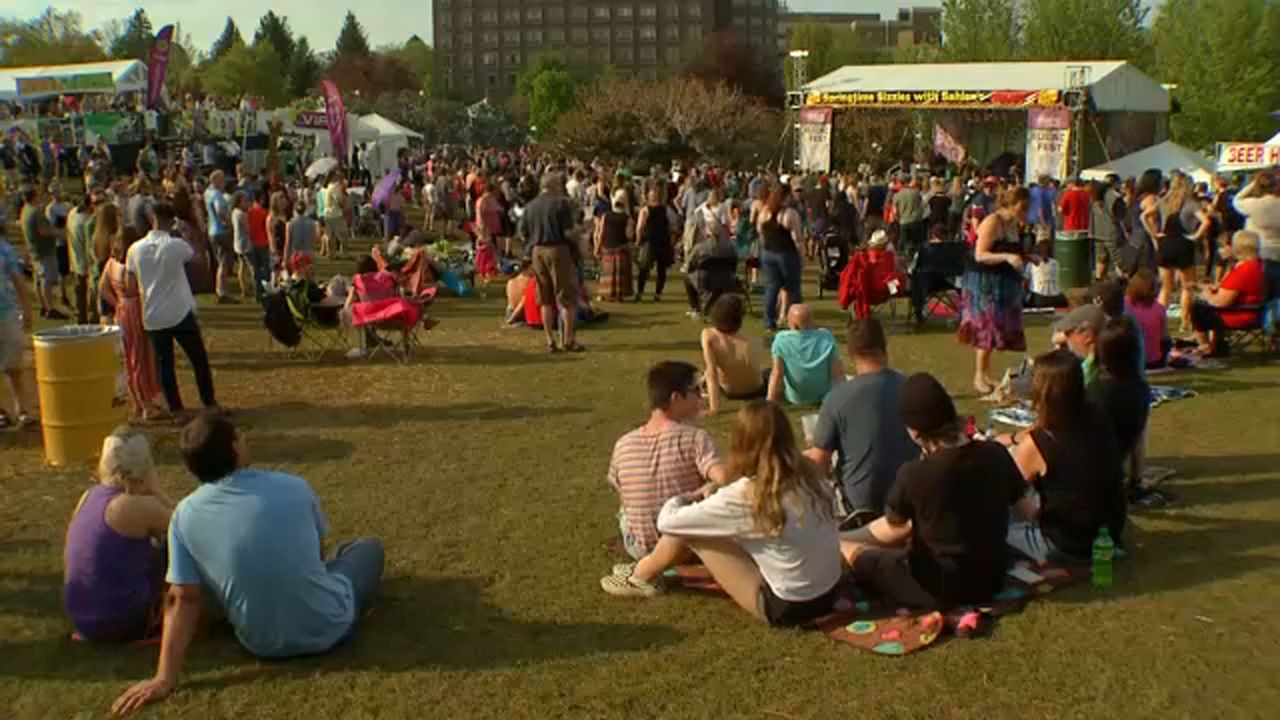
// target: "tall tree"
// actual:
[[1223, 56], [552, 94], [371, 76], [245, 70], [275, 31], [1085, 30], [351, 39], [420, 59], [229, 38], [726, 57], [304, 70], [50, 38], [134, 41], [980, 30], [830, 47]]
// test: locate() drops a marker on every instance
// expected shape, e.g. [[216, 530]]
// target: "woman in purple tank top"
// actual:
[[114, 569]]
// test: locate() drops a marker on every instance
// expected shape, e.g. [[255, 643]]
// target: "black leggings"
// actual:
[[642, 278], [1206, 318]]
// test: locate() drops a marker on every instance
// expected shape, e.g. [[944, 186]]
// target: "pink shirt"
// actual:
[[1151, 321]]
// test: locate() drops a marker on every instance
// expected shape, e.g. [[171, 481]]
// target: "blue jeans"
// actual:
[[360, 561], [260, 263], [779, 270], [1271, 276]]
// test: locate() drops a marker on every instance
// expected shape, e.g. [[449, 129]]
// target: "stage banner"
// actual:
[[815, 139], [98, 82], [939, 99], [336, 113], [1237, 156], [157, 64], [945, 144], [1048, 139]]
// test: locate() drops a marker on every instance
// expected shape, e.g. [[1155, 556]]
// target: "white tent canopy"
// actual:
[[1114, 86], [389, 128], [1165, 157], [127, 75]]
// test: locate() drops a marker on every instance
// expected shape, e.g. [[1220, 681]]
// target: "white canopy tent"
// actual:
[[1165, 157], [379, 154], [1114, 85], [126, 76]]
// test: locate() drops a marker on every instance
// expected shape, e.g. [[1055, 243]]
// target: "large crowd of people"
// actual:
[[886, 488]]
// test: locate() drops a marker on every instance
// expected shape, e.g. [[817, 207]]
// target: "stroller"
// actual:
[[835, 256]]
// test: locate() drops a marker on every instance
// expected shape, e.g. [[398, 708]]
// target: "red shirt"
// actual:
[[258, 226], [1247, 280], [1075, 209]]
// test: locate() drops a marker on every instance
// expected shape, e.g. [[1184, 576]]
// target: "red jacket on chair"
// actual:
[[866, 281]]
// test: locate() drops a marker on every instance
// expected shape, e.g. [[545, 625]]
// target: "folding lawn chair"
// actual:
[[935, 280], [870, 279], [388, 321], [320, 324], [1258, 333]]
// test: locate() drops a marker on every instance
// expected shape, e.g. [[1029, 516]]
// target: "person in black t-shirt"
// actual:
[[1070, 457], [941, 542]]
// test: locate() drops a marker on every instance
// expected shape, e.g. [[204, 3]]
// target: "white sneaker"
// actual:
[[694, 315]]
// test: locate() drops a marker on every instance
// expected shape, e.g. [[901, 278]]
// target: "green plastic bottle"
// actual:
[[1104, 553]]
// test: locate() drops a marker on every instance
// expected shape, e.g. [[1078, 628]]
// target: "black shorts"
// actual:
[[885, 572], [786, 613], [64, 260]]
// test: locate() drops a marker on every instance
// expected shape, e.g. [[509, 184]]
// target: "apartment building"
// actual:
[[482, 45]]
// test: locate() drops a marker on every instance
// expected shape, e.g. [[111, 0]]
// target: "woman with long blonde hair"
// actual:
[[113, 574], [769, 538], [1184, 227]]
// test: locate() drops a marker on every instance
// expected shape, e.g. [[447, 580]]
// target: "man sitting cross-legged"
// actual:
[[252, 540], [941, 542], [665, 457], [860, 424]]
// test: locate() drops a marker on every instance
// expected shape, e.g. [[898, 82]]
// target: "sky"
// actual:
[[385, 21]]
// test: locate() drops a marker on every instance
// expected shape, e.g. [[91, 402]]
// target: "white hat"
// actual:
[[878, 239]]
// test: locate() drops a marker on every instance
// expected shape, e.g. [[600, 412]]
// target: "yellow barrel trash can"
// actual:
[[77, 373]]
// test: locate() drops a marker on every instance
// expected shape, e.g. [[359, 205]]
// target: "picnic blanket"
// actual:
[[1022, 416], [868, 624]]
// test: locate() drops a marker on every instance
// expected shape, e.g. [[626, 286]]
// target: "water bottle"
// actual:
[[1104, 552]]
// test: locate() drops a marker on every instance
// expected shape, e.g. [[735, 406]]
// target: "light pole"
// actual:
[[795, 99]]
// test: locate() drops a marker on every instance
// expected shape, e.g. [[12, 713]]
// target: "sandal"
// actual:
[[574, 348], [25, 420], [6, 422], [553, 348]]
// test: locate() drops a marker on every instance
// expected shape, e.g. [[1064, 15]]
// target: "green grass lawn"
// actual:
[[481, 465]]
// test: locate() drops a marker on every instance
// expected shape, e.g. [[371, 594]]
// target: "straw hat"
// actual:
[[878, 239]]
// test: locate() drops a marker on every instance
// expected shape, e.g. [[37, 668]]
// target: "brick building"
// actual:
[[482, 45], [911, 26]]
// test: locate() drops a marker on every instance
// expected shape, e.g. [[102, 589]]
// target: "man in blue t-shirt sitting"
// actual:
[[806, 363], [251, 539], [861, 426]]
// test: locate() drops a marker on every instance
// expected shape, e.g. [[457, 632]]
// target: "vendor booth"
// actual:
[[1058, 116], [1246, 156], [391, 138], [115, 77], [1165, 157]]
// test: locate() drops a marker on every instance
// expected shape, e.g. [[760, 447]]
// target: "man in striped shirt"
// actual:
[[665, 457]]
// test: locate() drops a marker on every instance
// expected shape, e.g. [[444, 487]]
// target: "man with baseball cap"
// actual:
[[941, 542], [1079, 332]]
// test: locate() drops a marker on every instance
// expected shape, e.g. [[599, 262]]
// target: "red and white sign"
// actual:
[[1248, 156]]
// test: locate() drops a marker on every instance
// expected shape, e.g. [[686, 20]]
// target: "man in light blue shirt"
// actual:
[[806, 363], [252, 540], [218, 211]]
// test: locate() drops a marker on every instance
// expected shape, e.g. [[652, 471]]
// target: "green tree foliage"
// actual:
[[275, 31], [229, 38], [1224, 58], [830, 47], [135, 40], [544, 62], [420, 59], [249, 70], [553, 94], [51, 38], [1085, 30], [352, 40], [980, 30], [304, 70]]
